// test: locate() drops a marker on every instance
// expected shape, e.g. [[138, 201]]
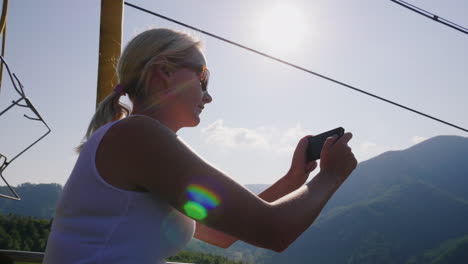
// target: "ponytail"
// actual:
[[108, 110], [151, 47]]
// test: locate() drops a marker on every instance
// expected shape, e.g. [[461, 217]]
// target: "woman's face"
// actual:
[[188, 96]]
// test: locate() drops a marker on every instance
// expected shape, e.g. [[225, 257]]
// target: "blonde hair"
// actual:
[[152, 47]]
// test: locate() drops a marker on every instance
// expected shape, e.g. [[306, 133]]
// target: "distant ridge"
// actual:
[[37, 200], [407, 206]]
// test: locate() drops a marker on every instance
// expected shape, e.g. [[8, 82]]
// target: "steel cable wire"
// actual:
[[295, 66], [431, 16]]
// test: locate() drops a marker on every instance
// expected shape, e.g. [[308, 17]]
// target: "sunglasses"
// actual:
[[201, 70]]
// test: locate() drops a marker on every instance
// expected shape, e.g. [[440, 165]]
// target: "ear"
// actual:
[[164, 69], [161, 79], [160, 74]]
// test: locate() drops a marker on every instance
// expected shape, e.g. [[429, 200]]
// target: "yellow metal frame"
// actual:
[[3, 33], [110, 39]]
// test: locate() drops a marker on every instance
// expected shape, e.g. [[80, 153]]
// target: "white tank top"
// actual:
[[96, 222]]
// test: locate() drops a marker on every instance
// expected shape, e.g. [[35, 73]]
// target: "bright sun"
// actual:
[[282, 28]]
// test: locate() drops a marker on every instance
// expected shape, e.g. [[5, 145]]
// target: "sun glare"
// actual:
[[282, 28]]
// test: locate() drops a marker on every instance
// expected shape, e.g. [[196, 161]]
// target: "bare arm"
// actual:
[[295, 178], [165, 166], [220, 239], [302, 207]]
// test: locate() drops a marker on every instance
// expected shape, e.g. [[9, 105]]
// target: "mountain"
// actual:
[[404, 206], [408, 206], [37, 200], [441, 162], [452, 251]]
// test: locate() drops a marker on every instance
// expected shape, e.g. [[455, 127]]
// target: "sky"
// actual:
[[260, 108]]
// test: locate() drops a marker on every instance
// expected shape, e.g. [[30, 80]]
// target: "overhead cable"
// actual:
[[431, 16], [295, 66]]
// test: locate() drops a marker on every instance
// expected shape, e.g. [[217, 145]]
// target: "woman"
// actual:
[[138, 194]]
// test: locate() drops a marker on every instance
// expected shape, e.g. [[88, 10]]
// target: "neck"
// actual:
[[157, 114]]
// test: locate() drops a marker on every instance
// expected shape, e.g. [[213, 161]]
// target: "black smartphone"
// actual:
[[316, 142]]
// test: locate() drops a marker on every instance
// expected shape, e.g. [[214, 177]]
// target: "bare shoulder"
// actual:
[[144, 152], [151, 156], [124, 143], [139, 136]]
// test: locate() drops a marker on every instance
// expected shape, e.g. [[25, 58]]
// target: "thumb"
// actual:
[[311, 166], [328, 144], [300, 152]]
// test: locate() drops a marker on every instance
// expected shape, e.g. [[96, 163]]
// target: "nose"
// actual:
[[207, 98]]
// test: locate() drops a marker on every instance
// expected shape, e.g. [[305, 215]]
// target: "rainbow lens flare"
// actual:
[[201, 200], [195, 210]]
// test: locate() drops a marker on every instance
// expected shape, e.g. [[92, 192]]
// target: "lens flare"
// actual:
[[201, 199], [203, 196], [162, 97], [195, 210]]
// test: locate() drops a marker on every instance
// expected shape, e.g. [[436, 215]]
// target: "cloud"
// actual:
[[368, 149], [418, 139], [261, 138], [368, 146], [218, 134]]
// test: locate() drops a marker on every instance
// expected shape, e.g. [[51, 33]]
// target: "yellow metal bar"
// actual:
[[4, 14], [110, 39], [3, 33]]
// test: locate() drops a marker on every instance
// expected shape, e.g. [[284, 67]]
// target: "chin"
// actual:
[[193, 122]]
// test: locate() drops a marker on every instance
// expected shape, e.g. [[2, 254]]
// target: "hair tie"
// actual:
[[119, 89]]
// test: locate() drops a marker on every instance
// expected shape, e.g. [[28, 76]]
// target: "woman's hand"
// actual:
[[300, 168], [337, 159]]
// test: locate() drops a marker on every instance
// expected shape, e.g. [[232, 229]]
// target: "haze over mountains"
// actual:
[[395, 208], [408, 206]]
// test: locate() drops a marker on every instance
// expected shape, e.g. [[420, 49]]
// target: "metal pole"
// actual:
[[3, 33], [110, 39]]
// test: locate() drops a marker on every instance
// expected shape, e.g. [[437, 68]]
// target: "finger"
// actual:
[[345, 138], [302, 145], [311, 166], [328, 143], [299, 145], [300, 152]]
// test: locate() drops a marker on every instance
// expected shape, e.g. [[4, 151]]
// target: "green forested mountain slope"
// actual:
[[408, 206], [393, 209]]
